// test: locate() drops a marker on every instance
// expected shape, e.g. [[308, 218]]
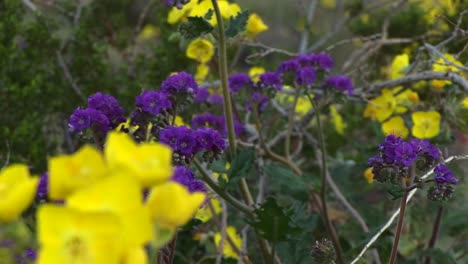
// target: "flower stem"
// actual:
[[435, 232], [324, 168], [401, 217]]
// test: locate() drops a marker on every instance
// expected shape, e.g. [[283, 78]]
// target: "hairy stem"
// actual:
[[401, 217]]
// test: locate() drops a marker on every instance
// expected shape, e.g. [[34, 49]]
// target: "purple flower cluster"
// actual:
[[341, 83], [103, 112], [201, 95], [153, 102], [42, 189], [444, 175], [186, 177], [270, 80], [216, 122], [181, 82], [257, 101], [177, 3], [239, 81]]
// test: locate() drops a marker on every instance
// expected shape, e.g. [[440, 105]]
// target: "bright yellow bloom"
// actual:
[[127, 125], [228, 251], [255, 73], [68, 236], [179, 121], [399, 64], [150, 163], [135, 255], [381, 107], [255, 25], [204, 213], [369, 175], [426, 124], [200, 50], [227, 10], [404, 99], [148, 32], [202, 72], [69, 173], [172, 205], [120, 195], [395, 126], [175, 15], [440, 65], [17, 190], [337, 120], [465, 102]]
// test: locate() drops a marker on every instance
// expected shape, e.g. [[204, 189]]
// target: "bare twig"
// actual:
[[30, 5], [439, 54], [305, 33]]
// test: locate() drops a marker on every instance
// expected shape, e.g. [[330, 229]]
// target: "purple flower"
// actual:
[[306, 76], [306, 59], [186, 177], [322, 60], [210, 140], [257, 100], [215, 99], [271, 79], [201, 95], [405, 154], [153, 102], [42, 189], [444, 175], [177, 3], [238, 81], [81, 119], [288, 66], [181, 139], [387, 149], [216, 122], [108, 105], [342, 83], [180, 82], [423, 147]]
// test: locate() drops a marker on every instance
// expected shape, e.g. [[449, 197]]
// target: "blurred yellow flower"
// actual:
[[17, 191], [180, 122], [337, 120], [425, 124], [395, 126], [227, 10], [228, 251], [204, 213], [255, 25], [176, 15], [148, 32], [120, 195], [404, 99], [136, 255], [200, 50], [399, 64], [329, 4], [440, 65], [69, 236], [172, 205], [255, 73], [465, 102], [150, 163], [369, 175], [202, 72], [382, 107], [68, 173]]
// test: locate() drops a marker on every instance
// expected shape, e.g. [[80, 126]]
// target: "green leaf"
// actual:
[[195, 27], [237, 24], [273, 223], [286, 181], [438, 256], [241, 164], [396, 191]]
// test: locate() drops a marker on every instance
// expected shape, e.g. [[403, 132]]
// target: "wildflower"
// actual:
[[82, 119], [202, 72], [342, 83], [42, 187], [148, 32], [465, 102], [255, 72], [150, 163], [444, 175], [68, 173], [228, 250], [288, 66], [201, 95], [172, 205], [323, 60], [186, 177], [211, 142], [395, 126], [337, 120], [204, 214], [306, 76], [440, 65], [181, 139], [200, 50], [179, 83], [255, 25], [215, 99], [176, 14], [68, 236], [369, 175], [399, 64], [202, 8], [426, 124], [270, 79], [153, 102], [257, 102], [135, 255], [381, 107], [17, 190], [238, 81], [108, 105]]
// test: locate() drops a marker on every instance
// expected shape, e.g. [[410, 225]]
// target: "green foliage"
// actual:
[[242, 164], [195, 27], [237, 24]]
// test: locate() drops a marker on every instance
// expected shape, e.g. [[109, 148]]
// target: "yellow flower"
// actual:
[[369, 175], [399, 65], [200, 50], [204, 213], [404, 99], [17, 190], [148, 32], [228, 251], [255, 25], [120, 195], [69, 236], [127, 125], [136, 255], [179, 121], [440, 65], [426, 124], [69, 173], [202, 72], [223, 175], [150, 163], [465, 102], [171, 205], [255, 73], [395, 126], [175, 15], [337, 120], [225, 8], [381, 107]]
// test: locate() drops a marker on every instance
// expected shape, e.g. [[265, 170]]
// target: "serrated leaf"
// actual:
[[237, 24], [285, 180], [195, 27], [273, 223], [241, 164]]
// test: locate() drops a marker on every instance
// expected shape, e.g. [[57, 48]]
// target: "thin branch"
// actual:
[[439, 54], [305, 33], [30, 5], [68, 77]]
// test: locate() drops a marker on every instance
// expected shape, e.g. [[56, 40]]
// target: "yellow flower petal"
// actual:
[[337, 120], [255, 25], [175, 15], [135, 255], [202, 72], [255, 73], [399, 65], [200, 50], [382, 107], [395, 126], [369, 175], [228, 251], [204, 214], [425, 124], [440, 65]]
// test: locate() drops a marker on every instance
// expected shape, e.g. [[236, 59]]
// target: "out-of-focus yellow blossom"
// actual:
[[69, 173], [255, 25], [127, 125], [382, 107], [136, 255], [337, 120], [303, 105], [364, 18], [465, 102], [440, 65], [255, 73], [425, 124], [120, 195], [369, 175], [69, 236], [228, 251], [202, 72], [223, 175], [329, 4], [150, 163], [17, 190], [200, 50], [204, 213], [176, 15], [399, 65], [172, 205], [180, 122], [395, 126], [227, 10], [404, 99], [148, 32]]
